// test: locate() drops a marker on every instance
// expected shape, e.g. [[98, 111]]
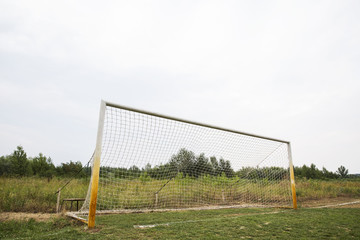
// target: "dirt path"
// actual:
[[340, 202], [41, 217]]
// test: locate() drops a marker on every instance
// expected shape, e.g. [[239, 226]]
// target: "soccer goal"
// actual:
[[146, 161]]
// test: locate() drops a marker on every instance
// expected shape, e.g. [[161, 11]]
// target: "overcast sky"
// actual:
[[283, 69]]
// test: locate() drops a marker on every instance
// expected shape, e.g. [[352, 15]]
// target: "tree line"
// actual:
[[188, 164], [312, 172], [184, 162], [19, 164]]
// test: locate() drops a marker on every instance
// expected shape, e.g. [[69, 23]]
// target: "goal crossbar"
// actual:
[[191, 122]]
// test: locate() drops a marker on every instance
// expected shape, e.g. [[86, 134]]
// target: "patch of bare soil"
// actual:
[[339, 202], [21, 216]]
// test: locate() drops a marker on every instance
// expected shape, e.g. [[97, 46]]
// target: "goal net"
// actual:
[[147, 162]]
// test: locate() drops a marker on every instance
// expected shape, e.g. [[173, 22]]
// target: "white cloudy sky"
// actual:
[[285, 69]]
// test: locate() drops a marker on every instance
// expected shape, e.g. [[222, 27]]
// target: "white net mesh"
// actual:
[[149, 162]]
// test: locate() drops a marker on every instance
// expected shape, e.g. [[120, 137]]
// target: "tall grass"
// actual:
[[30, 194], [183, 192], [317, 189]]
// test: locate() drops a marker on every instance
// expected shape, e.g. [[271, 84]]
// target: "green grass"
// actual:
[[210, 224]]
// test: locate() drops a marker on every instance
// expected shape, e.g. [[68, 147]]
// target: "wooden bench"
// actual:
[[77, 200]]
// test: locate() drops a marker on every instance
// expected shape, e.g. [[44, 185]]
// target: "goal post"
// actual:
[[146, 161], [292, 177], [96, 167]]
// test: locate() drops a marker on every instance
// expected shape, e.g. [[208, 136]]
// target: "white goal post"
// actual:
[[146, 161]]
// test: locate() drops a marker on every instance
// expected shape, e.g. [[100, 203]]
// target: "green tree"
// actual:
[[5, 165], [226, 168], [202, 166], [184, 162], [43, 166], [20, 164], [342, 171], [134, 171], [328, 174], [311, 172], [70, 169], [216, 170]]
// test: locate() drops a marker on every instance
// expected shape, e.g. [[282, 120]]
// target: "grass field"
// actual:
[[272, 223], [37, 195]]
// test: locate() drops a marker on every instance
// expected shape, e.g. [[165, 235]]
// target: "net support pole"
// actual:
[[156, 199], [96, 167], [58, 201], [292, 178]]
